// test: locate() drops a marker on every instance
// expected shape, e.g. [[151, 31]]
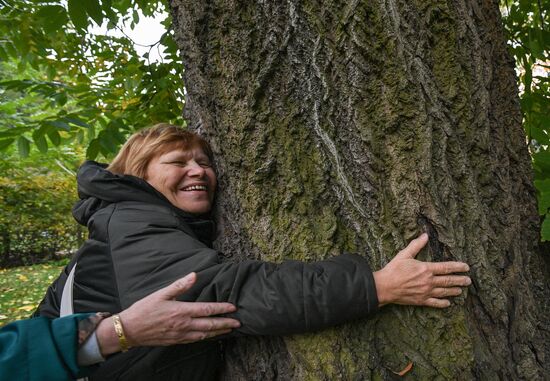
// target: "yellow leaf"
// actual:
[[27, 308], [23, 278]]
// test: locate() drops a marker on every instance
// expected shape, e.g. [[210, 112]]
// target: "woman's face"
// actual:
[[185, 178]]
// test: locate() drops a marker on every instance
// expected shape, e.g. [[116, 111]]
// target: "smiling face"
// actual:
[[185, 177]]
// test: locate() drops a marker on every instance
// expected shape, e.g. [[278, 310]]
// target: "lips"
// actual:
[[194, 187]]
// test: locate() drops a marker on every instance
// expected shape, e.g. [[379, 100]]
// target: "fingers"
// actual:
[[178, 287], [448, 267], [198, 309], [437, 303], [213, 324], [414, 247], [194, 336], [445, 292], [438, 293], [451, 281]]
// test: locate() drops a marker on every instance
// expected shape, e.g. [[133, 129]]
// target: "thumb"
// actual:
[[414, 247], [177, 287]]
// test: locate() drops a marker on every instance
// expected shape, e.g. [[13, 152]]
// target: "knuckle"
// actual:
[[180, 284], [426, 289], [208, 310]]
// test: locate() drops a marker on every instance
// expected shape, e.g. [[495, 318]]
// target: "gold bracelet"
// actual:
[[120, 333]]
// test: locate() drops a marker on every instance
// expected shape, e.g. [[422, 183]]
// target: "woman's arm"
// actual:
[[149, 247], [271, 298]]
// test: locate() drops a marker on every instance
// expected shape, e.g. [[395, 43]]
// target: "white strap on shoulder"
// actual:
[[66, 307]]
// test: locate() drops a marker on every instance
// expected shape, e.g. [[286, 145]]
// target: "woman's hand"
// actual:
[[159, 319], [406, 280]]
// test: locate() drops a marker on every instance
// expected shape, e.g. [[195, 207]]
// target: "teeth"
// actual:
[[195, 187]]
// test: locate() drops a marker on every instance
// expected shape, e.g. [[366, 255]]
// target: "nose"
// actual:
[[195, 169]]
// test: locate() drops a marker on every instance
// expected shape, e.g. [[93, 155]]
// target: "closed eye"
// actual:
[[177, 163], [204, 164]]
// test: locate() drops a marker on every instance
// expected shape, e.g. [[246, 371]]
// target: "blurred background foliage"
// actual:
[[526, 24], [71, 88]]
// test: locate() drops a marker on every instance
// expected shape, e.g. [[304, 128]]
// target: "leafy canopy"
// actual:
[[526, 23], [90, 88]]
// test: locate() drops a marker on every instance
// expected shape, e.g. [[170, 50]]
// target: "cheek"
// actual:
[[213, 179]]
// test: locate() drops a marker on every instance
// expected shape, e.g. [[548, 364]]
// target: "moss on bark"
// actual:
[[355, 126]]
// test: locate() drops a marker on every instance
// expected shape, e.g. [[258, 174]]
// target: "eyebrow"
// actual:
[[185, 156]]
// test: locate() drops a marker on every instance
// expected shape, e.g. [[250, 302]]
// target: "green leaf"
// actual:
[[40, 140], [12, 132], [76, 122], [58, 124], [77, 13], [10, 49], [54, 136], [93, 8], [3, 55], [545, 229], [5, 143], [53, 18], [23, 146], [528, 79], [93, 149], [91, 132], [51, 72], [541, 161], [60, 98], [107, 142], [80, 137], [135, 17]]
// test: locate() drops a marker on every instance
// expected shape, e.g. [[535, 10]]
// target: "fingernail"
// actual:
[[468, 281]]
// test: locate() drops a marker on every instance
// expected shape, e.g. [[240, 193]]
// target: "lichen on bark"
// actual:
[[355, 126]]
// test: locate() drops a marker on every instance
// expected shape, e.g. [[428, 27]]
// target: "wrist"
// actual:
[[381, 288], [107, 338]]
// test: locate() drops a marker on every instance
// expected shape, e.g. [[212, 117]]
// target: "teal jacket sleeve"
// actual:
[[40, 349]]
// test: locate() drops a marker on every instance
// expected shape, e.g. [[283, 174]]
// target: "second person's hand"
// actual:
[[159, 320]]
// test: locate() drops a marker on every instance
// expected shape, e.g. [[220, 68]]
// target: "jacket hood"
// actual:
[[97, 188]]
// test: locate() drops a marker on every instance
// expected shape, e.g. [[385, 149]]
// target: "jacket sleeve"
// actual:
[[272, 299], [40, 349]]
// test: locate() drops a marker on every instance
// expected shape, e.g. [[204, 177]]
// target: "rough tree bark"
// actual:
[[355, 125]]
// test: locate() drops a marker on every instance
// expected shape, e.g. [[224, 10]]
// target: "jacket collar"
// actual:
[[98, 188]]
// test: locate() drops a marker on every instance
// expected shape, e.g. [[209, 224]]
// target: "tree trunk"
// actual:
[[354, 126]]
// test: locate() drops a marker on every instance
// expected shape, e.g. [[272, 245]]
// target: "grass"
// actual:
[[22, 288]]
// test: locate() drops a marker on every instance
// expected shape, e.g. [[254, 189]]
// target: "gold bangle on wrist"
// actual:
[[120, 333]]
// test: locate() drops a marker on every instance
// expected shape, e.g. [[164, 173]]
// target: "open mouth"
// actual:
[[194, 188]]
